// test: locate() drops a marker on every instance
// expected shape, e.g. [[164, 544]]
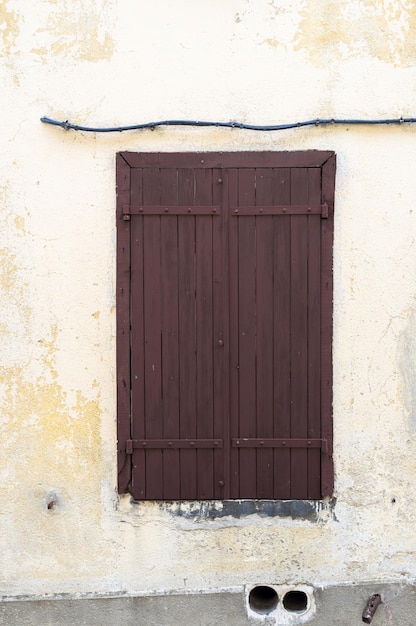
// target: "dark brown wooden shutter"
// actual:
[[227, 391]]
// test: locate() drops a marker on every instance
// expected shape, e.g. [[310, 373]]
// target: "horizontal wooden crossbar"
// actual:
[[172, 444], [279, 443]]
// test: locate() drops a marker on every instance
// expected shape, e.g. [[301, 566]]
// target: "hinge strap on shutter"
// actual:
[[324, 213], [243, 442], [171, 444], [279, 209], [163, 209]]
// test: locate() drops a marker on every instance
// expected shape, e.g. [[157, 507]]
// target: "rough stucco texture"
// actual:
[[111, 62]]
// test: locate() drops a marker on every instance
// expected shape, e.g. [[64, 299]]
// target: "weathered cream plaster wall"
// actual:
[[112, 62]]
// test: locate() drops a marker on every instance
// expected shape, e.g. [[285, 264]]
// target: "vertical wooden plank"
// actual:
[[152, 323], [204, 333], [314, 334], [123, 325], [137, 337], [170, 333], [264, 319], [223, 200], [282, 312], [327, 243], [187, 335], [220, 348], [299, 330], [234, 357], [247, 332]]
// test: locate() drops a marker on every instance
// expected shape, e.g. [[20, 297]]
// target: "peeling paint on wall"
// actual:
[[65, 435], [8, 271], [338, 30], [15, 312], [82, 32], [52, 453], [9, 28]]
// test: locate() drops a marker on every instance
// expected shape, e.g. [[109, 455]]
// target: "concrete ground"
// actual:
[[335, 606]]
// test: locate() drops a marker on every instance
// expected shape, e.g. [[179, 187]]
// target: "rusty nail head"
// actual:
[[221, 483]]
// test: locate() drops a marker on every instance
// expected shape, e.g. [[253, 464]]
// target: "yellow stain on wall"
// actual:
[[13, 289], [62, 440], [9, 28], [8, 270], [60, 436], [270, 41], [84, 35], [52, 471], [384, 29], [19, 223]]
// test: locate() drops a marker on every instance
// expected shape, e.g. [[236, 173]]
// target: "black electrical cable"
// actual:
[[152, 125]]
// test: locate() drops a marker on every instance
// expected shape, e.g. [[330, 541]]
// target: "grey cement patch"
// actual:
[[309, 510], [335, 606]]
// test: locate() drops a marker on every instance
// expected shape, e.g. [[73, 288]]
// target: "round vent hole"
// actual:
[[263, 599], [295, 601]]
